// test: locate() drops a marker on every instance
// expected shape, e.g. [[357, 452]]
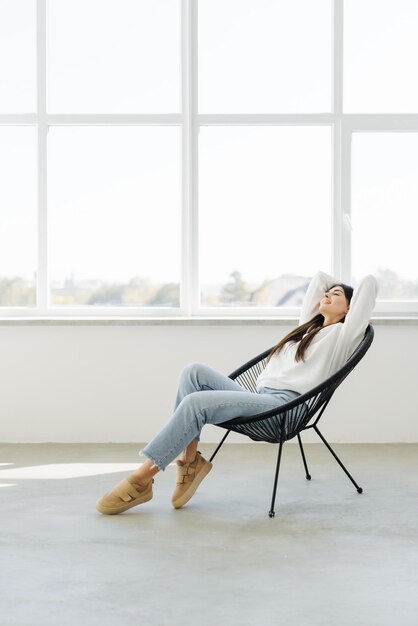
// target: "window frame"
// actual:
[[343, 127]]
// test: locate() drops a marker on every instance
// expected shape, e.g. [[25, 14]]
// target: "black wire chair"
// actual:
[[289, 420]]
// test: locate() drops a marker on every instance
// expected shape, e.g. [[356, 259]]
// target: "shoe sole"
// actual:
[[185, 497], [128, 505]]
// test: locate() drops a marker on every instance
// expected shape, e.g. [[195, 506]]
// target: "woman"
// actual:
[[332, 323]]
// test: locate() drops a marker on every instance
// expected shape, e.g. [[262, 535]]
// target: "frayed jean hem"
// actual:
[[160, 466]]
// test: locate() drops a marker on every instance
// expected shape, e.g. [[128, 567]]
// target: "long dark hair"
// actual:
[[304, 333]]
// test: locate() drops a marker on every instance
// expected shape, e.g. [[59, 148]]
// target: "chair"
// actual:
[[294, 417]]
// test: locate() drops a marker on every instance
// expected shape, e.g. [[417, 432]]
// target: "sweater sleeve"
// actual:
[[358, 316], [319, 284]]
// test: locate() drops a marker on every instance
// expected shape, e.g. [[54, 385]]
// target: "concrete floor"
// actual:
[[329, 557]]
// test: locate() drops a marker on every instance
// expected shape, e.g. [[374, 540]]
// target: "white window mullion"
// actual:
[[265, 119], [346, 136], [186, 152], [119, 119], [337, 219], [339, 242], [193, 171], [42, 273], [195, 165]]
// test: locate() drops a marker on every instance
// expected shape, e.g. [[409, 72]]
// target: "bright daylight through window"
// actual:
[[186, 158]]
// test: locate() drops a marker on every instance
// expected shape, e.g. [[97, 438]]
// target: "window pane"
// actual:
[[17, 56], [18, 215], [384, 207], [114, 215], [265, 213], [380, 56], [106, 56], [264, 56]]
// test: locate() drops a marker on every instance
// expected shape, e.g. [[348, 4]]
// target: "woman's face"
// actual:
[[334, 305]]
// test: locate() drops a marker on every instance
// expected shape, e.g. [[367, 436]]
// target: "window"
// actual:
[[264, 56], [17, 56], [114, 215], [18, 219], [381, 48], [253, 252], [113, 57], [186, 158], [383, 204]]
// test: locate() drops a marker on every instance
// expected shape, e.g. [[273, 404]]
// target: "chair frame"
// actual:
[[260, 428]]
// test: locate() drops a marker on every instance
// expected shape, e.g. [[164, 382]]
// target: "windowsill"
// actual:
[[182, 321]]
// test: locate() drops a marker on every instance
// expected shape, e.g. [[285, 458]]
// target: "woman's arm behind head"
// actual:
[[360, 311], [320, 283]]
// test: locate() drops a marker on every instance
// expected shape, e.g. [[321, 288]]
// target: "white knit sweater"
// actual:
[[331, 346]]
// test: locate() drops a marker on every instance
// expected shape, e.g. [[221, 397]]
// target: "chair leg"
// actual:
[[308, 476], [276, 477], [216, 451], [359, 489]]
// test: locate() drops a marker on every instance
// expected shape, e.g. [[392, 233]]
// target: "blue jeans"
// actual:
[[206, 396]]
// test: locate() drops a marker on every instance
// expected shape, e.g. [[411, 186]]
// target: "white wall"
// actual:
[[117, 383]]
